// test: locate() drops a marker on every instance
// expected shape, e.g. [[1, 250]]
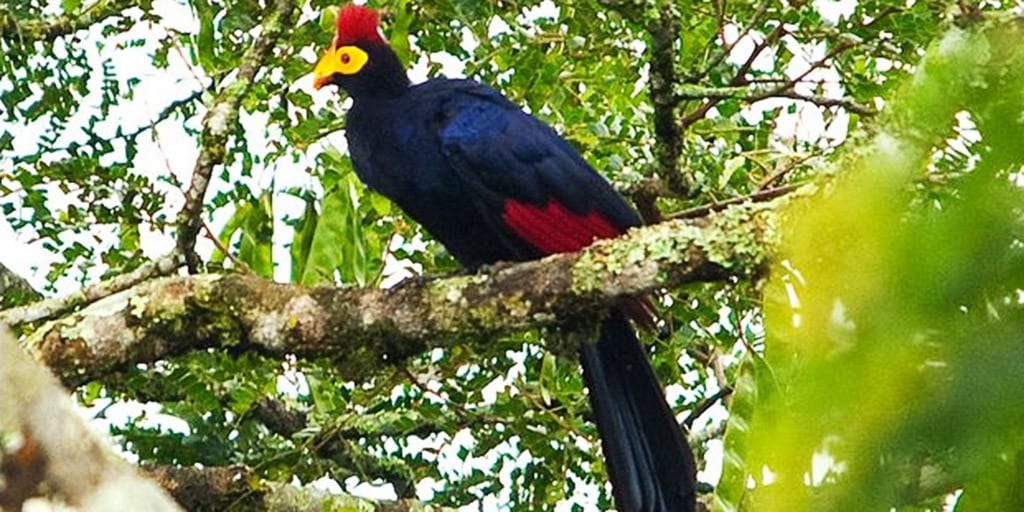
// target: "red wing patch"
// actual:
[[552, 228]]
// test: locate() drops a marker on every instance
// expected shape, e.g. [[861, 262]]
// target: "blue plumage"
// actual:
[[472, 150]]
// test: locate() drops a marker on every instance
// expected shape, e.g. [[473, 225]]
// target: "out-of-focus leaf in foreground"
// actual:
[[894, 318]]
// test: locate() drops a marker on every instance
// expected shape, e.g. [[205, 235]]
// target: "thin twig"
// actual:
[[786, 89], [822, 101], [175, 36], [239, 264], [139, 130], [779, 174], [164, 114], [751, 94], [458, 408], [765, 195]]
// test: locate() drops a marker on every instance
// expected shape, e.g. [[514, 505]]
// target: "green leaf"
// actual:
[[732, 490], [330, 246], [205, 40], [242, 212], [302, 243], [71, 6], [547, 377], [257, 237], [340, 242], [398, 29], [731, 166], [328, 18], [129, 236]]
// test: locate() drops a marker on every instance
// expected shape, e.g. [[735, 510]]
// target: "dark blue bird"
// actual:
[[493, 183]]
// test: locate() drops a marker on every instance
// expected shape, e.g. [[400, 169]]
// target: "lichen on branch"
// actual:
[[363, 329]]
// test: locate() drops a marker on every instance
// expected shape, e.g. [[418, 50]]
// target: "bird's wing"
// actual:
[[531, 181]]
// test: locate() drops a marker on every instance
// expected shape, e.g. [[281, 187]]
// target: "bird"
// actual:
[[493, 184]]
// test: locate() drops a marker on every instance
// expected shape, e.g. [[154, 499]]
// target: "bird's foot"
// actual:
[[415, 281]]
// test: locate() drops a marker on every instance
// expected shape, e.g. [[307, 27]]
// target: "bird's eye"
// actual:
[[347, 60]]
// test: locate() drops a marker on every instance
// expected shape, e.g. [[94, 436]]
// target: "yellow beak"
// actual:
[[325, 69]]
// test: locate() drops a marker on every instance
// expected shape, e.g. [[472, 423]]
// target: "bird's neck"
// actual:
[[385, 79], [394, 84]]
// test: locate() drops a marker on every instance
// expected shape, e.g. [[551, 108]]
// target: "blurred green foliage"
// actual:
[[902, 367], [894, 320]]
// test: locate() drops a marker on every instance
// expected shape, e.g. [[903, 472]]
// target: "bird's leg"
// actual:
[[414, 281]]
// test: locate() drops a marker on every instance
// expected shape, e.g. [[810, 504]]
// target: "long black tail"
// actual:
[[649, 461]]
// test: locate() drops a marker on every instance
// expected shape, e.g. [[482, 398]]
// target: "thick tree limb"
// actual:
[[219, 123], [57, 448], [236, 488], [363, 329], [49, 308]]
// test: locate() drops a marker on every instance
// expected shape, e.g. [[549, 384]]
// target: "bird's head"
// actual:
[[359, 60]]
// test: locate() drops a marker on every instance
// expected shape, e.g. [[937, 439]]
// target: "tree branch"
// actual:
[[754, 94], [57, 448], [759, 196], [287, 421], [219, 122], [13, 29], [52, 307], [669, 147], [278, 418], [363, 329]]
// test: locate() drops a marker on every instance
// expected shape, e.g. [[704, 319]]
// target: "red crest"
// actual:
[[357, 23]]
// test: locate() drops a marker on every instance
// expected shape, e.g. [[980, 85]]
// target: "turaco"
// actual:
[[493, 183]]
